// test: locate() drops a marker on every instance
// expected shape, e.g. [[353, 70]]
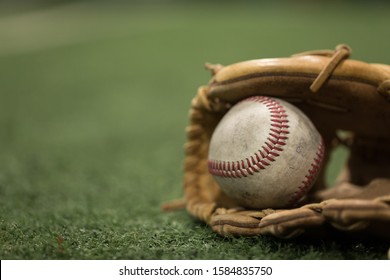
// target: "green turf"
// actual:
[[93, 106]]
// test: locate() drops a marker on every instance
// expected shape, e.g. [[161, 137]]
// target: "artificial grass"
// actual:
[[94, 102]]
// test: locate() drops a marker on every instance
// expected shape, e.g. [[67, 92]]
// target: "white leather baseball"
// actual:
[[265, 153]]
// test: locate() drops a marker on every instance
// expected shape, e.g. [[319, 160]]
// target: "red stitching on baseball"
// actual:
[[310, 177], [268, 152]]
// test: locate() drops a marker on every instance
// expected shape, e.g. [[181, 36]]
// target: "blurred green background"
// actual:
[[93, 105]]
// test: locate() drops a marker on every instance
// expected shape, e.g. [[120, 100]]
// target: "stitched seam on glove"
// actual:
[[293, 75]]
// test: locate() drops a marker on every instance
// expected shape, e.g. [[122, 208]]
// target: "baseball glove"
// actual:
[[349, 103]]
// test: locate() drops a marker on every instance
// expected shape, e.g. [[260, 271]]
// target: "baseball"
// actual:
[[265, 153]]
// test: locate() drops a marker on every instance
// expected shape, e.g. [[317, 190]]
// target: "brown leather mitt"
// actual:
[[349, 103]]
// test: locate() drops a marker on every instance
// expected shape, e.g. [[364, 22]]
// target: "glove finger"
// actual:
[[236, 222], [355, 214], [290, 223], [282, 223], [343, 190]]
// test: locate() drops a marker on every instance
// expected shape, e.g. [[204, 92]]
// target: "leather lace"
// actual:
[[341, 53]]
